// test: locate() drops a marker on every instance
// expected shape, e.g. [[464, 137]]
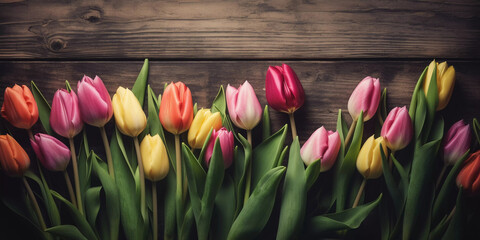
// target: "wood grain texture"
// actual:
[[328, 84], [245, 29]]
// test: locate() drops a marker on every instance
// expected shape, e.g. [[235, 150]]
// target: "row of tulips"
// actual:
[[212, 181]]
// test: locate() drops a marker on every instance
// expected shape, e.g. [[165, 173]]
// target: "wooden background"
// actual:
[[331, 45]]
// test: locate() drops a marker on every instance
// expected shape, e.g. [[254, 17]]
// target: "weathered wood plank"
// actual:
[[327, 84], [239, 29]]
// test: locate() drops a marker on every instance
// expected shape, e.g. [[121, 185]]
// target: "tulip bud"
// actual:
[[129, 116], [65, 116], [19, 107], [95, 104], [445, 82], [243, 106], [457, 142], [203, 122], [366, 98], [283, 90], [369, 160], [13, 159], [469, 176], [323, 145], [176, 108], [154, 158], [397, 130], [226, 144], [52, 153]]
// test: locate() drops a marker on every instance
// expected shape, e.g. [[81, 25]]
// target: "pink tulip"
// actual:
[[283, 90], [366, 98], [65, 115], [456, 142], [226, 144], [323, 145], [397, 130], [243, 106], [52, 153], [96, 106]]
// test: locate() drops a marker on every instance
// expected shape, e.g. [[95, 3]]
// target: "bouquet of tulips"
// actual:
[[203, 174]]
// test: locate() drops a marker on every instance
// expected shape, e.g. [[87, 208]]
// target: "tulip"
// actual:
[[366, 98], [53, 154], [445, 82], [456, 143], [129, 116], [19, 107], [154, 157], [226, 144], [397, 130], [176, 108], [369, 160], [13, 159], [469, 176], [323, 145], [283, 90], [96, 106], [203, 122], [243, 106], [65, 116]]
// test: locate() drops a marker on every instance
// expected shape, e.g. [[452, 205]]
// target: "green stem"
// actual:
[[350, 133], [293, 126], [444, 169], [155, 211], [143, 209], [35, 204], [70, 188], [75, 176], [359, 194], [249, 172], [179, 188], [390, 161], [108, 152]]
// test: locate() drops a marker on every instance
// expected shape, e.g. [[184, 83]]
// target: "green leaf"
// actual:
[[111, 196], [153, 120], [444, 198], [294, 197], [413, 102], [77, 217], [392, 186], [84, 165], [344, 220], [92, 204], [66, 232], [50, 205], [241, 166], [67, 86], [383, 105], [456, 227], [196, 180], [312, 172], [43, 108], [169, 207], [219, 103], [266, 123], [141, 83], [432, 103], [251, 221], [346, 168], [224, 212], [187, 227], [420, 115], [265, 155], [282, 157]]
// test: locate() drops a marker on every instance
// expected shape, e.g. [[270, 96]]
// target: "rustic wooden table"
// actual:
[[330, 44]]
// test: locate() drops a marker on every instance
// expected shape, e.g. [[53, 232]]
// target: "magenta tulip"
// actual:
[[397, 130], [366, 98], [243, 106], [226, 144], [323, 145], [52, 153], [456, 142], [65, 115], [283, 90], [95, 104]]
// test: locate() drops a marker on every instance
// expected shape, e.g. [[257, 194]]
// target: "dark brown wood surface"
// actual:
[[239, 29]]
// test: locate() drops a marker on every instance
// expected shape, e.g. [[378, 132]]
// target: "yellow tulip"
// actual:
[[445, 82], [154, 157], [369, 160], [129, 116], [203, 122]]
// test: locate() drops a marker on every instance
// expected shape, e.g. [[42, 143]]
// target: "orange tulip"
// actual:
[[176, 108], [19, 107], [13, 159]]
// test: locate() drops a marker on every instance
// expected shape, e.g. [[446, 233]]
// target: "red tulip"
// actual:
[[13, 159], [226, 144], [397, 130], [176, 108], [52, 153], [283, 90], [19, 107], [456, 142], [95, 104], [65, 115], [469, 176], [366, 98]]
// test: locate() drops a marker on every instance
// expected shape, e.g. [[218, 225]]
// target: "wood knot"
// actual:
[[92, 14], [56, 44]]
